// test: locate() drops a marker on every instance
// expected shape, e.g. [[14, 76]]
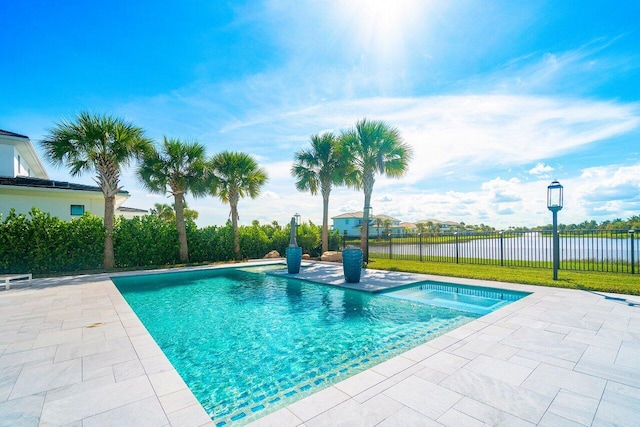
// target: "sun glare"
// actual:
[[382, 26]]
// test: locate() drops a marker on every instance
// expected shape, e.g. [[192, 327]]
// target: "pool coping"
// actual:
[[73, 351]]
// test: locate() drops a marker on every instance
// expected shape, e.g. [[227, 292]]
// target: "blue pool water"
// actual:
[[249, 343]]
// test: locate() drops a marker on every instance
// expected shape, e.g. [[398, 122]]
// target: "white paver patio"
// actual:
[[72, 352]]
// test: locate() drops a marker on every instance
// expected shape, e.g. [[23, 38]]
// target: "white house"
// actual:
[[24, 183], [378, 224]]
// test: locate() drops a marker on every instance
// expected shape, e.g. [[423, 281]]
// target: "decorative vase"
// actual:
[[294, 259], [352, 264]]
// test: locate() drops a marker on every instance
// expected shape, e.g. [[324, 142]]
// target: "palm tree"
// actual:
[[378, 222], [179, 167], [235, 175], [374, 148], [102, 144], [320, 167], [167, 213], [164, 212]]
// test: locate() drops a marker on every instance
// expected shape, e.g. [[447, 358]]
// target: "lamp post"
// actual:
[[295, 223], [554, 204]]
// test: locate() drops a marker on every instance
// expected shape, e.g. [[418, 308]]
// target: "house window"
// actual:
[[77, 210]]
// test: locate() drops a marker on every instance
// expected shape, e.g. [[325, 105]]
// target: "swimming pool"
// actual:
[[249, 343]]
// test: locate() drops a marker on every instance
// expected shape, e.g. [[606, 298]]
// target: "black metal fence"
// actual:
[[585, 250]]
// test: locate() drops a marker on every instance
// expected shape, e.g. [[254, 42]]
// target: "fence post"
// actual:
[[633, 253], [501, 249], [457, 254], [390, 246], [420, 243]]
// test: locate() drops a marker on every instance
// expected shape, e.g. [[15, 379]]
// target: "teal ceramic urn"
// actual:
[[294, 259], [352, 264]]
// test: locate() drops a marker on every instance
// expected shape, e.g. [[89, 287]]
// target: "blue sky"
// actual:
[[497, 98]]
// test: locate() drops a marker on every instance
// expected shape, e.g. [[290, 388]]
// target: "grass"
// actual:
[[621, 283]]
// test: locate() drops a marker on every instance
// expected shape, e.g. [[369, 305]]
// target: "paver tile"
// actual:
[[96, 401], [24, 411], [393, 366], [501, 370], [350, 413], [360, 382], [620, 406], [548, 380], [37, 379], [316, 404], [281, 418], [444, 362], [143, 413], [408, 417], [193, 415], [423, 396], [517, 401], [575, 407], [489, 415]]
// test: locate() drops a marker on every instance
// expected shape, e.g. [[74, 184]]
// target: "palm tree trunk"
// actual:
[[236, 233], [325, 222], [109, 212], [367, 184], [182, 231]]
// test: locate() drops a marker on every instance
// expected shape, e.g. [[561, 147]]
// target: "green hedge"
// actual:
[[39, 243]]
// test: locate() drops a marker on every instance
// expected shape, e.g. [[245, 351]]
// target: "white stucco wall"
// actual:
[[6, 160], [56, 202]]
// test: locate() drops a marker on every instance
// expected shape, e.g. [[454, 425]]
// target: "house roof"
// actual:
[[23, 181], [15, 135], [407, 225], [358, 215], [349, 215], [133, 210]]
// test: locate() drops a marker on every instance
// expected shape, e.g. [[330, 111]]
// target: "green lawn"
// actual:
[[622, 283]]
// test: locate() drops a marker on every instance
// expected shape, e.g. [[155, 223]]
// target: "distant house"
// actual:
[[378, 224], [440, 226], [24, 183]]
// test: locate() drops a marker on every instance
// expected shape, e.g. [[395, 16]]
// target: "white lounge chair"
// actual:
[[7, 278]]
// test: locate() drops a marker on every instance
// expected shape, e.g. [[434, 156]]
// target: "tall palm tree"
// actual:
[[374, 148], [179, 167], [101, 144], [320, 167], [235, 175]]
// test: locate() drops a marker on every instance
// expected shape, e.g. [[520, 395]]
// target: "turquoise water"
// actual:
[[458, 297], [248, 344]]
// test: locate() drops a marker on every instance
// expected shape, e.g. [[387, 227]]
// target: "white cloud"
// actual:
[[541, 170]]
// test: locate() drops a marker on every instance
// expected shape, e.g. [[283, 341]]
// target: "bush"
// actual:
[[145, 241], [40, 243]]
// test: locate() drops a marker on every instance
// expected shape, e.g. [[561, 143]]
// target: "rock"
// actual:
[[333, 256], [272, 254], [306, 256]]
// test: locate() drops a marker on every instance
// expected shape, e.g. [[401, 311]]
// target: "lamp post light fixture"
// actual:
[[295, 223], [554, 204]]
